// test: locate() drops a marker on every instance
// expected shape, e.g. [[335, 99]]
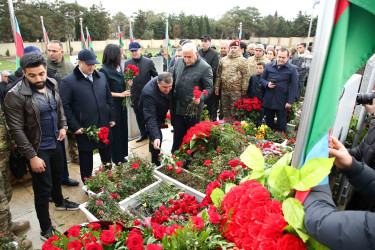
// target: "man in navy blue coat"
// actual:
[[154, 102], [88, 101], [280, 80]]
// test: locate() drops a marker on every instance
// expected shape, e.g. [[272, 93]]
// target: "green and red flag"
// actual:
[[167, 43], [352, 43], [89, 41], [18, 41], [121, 41]]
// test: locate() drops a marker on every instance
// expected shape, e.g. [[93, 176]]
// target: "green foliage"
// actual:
[[294, 215], [7, 243], [253, 158], [207, 238], [7, 52], [353, 130], [217, 196]]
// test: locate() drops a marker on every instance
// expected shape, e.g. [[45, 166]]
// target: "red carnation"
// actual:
[[94, 226], [188, 151], [198, 223], [207, 162], [114, 195], [75, 244], [135, 165], [94, 246], [179, 163], [289, 241], [154, 247], [170, 167], [115, 230], [107, 237], [233, 162], [178, 170], [134, 241], [204, 92], [74, 231]]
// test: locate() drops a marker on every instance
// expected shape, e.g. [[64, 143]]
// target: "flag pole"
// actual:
[[240, 36], [12, 20], [44, 33], [82, 35], [167, 43], [322, 43]]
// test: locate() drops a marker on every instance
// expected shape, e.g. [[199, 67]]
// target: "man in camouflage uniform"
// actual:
[[257, 58], [7, 227], [232, 78]]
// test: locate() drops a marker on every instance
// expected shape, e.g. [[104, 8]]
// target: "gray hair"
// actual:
[[189, 46], [58, 42], [224, 42]]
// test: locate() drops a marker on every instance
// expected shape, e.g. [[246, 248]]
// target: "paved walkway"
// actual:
[[22, 203]]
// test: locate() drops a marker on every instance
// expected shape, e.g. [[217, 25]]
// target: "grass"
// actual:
[[6, 65]]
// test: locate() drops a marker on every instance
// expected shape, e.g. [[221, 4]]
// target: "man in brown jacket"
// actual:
[[233, 78], [36, 121], [257, 58]]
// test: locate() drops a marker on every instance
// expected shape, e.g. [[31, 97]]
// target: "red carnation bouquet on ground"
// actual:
[[192, 108], [249, 109], [96, 134], [130, 73]]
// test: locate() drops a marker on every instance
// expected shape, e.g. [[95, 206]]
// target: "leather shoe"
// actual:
[[141, 138], [70, 182]]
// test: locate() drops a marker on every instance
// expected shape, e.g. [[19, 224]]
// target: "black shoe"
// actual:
[[70, 182], [50, 199], [67, 205], [141, 138], [48, 233]]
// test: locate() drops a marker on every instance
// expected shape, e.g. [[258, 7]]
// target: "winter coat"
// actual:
[[154, 105], [23, 116], [63, 68], [342, 229], [185, 78], [253, 61], [255, 87], [86, 104], [233, 73], [212, 58], [303, 66], [147, 71], [286, 77]]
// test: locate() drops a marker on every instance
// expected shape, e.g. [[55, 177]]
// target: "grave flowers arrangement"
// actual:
[[130, 72], [260, 213], [249, 109], [97, 134], [192, 109]]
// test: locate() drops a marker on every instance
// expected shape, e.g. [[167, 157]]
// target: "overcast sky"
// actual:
[[213, 9]]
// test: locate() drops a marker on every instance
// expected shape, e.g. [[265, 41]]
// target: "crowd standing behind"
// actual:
[[264, 71]]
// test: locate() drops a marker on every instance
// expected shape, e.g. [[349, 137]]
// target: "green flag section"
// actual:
[[352, 44]]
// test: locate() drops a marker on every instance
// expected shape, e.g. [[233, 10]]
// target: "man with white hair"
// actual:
[[224, 49], [189, 72]]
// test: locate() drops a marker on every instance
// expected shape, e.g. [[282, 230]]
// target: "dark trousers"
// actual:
[[181, 126], [65, 176], [215, 106], [208, 102], [86, 161], [281, 118], [301, 84], [48, 183], [154, 152], [139, 117], [119, 144]]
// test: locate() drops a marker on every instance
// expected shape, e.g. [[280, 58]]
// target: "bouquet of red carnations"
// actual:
[[130, 73], [192, 108], [249, 109], [96, 134]]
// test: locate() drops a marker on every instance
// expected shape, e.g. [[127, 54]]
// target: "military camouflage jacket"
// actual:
[[233, 73], [253, 61]]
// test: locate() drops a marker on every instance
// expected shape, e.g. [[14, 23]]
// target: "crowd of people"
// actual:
[[45, 101]]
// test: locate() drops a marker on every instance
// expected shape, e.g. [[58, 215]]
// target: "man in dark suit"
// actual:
[[154, 102], [146, 72], [280, 80], [88, 101]]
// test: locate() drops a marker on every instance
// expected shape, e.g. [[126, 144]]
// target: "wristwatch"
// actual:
[[65, 127]]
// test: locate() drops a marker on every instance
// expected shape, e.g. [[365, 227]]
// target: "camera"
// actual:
[[364, 99], [273, 81]]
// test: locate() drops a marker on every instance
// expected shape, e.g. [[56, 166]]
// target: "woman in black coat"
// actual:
[[115, 77]]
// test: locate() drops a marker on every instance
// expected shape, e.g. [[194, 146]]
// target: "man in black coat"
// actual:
[[280, 80], [146, 72], [154, 102], [341, 229], [212, 58], [88, 101]]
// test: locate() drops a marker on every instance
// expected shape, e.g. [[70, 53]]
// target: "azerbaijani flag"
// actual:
[[18, 39], [46, 40], [167, 42], [83, 41], [352, 44], [131, 32], [240, 35], [121, 41], [89, 41]]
